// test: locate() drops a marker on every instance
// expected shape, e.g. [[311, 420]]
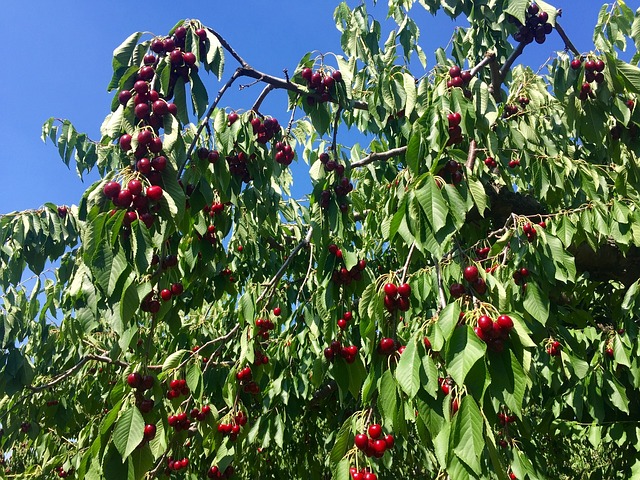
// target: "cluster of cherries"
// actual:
[[372, 445], [233, 429], [175, 290], [455, 131], [348, 352], [344, 320], [177, 387], [554, 348], [215, 472], [179, 421], [493, 333], [212, 156], [265, 129], [445, 387], [264, 326], [536, 26], [472, 276], [592, 73], [139, 382], [284, 153], [530, 231], [342, 185], [135, 199], [237, 162], [25, 427], [520, 276], [212, 210], [396, 297], [362, 474], [344, 276], [458, 78], [322, 84], [452, 172], [62, 473], [176, 465], [200, 414]]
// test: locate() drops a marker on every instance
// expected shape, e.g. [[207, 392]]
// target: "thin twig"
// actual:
[[336, 123], [372, 157], [306, 276], [303, 243], [207, 117], [406, 264], [441, 296]]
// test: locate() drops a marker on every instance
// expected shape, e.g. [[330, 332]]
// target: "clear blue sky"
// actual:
[[57, 63]]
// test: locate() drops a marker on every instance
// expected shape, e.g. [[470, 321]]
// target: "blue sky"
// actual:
[[57, 63]]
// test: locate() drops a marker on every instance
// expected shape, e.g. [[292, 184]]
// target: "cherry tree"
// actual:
[[456, 299]]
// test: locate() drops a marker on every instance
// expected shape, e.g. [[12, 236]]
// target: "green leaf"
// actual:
[[341, 443], [463, 351], [432, 203], [129, 431], [173, 360], [388, 398], [508, 380], [517, 8], [478, 194], [408, 369], [467, 436], [630, 74], [536, 304]]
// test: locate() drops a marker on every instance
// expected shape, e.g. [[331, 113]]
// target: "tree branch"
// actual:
[[229, 48], [471, 158], [303, 243], [490, 57], [261, 97], [372, 157], [567, 42], [207, 117], [512, 58]]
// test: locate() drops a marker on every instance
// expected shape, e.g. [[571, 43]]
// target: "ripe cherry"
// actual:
[[470, 273], [390, 289], [361, 441], [374, 430], [154, 193], [485, 323], [404, 290], [134, 380]]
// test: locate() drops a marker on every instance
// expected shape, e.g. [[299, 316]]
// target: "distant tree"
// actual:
[[458, 299]]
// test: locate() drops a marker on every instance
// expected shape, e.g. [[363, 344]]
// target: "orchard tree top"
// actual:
[[455, 300]]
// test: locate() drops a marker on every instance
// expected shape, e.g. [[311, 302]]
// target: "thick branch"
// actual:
[[471, 157], [490, 57], [567, 42], [285, 84], [512, 58], [229, 48], [394, 152]]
